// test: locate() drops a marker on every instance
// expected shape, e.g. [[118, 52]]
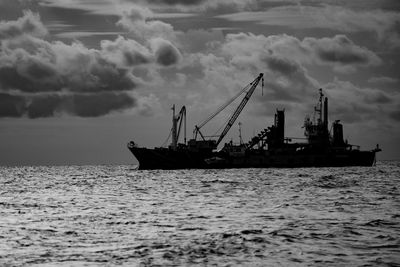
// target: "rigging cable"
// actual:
[[221, 108], [166, 140]]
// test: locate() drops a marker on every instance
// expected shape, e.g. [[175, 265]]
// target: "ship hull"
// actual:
[[168, 159]]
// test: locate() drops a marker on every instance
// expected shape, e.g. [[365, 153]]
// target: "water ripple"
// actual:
[[117, 215]]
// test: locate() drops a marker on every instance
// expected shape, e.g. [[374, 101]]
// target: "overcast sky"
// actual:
[[81, 78]]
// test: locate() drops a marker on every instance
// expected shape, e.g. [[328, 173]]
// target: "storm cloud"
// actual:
[[31, 64], [11, 106], [166, 53], [39, 78], [49, 105]]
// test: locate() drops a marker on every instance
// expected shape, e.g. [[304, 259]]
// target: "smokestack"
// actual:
[[280, 125], [326, 113]]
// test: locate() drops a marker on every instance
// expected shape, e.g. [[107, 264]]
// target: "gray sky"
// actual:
[[81, 78]]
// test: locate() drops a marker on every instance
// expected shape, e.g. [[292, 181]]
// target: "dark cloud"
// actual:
[[31, 64], [282, 65], [277, 92], [104, 76], [177, 2], [340, 50], [82, 71], [48, 105], [99, 104], [343, 57], [43, 106], [11, 106], [39, 78], [166, 53], [10, 78]]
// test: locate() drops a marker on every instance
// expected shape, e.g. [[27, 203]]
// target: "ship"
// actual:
[[322, 146]]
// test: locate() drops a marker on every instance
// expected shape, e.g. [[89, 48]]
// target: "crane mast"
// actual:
[[176, 130], [239, 109]]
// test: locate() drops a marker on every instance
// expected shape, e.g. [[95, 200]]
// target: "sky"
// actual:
[[79, 79]]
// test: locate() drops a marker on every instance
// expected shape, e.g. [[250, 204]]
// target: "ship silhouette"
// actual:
[[324, 147]]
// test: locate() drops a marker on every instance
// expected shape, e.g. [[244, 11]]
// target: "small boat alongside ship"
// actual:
[[270, 148]]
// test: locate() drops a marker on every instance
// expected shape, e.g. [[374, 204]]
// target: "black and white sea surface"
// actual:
[[116, 215]]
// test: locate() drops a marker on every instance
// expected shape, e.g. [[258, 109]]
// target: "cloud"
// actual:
[[11, 106], [80, 34], [229, 64], [166, 53], [383, 23], [383, 80], [354, 104], [192, 41], [338, 51], [44, 66], [48, 105], [157, 34], [149, 105], [42, 105], [99, 104], [138, 22], [29, 23], [288, 80], [177, 2], [283, 60], [39, 78], [169, 8], [126, 52], [282, 65], [206, 5]]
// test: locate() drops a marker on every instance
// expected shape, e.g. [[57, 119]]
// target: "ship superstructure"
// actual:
[[269, 148]]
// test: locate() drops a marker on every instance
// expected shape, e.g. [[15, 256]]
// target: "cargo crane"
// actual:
[[253, 85], [176, 130]]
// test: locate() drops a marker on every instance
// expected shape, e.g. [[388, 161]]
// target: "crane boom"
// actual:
[[182, 117], [239, 109]]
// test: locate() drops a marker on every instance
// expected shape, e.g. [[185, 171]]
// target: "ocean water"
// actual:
[[116, 215]]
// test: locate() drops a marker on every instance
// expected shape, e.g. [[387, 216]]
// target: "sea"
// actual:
[[121, 216]]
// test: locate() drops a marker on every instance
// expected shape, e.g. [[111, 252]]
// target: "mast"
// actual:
[[176, 131], [174, 128], [326, 114]]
